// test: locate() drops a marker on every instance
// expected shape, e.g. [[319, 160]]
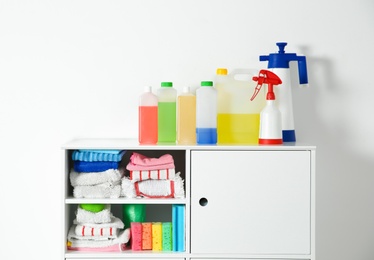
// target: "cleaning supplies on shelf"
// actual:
[[96, 174], [146, 235], [136, 236], [92, 207], [206, 113], [238, 120], [86, 216], [186, 117], [148, 117], [178, 223], [167, 107], [95, 234], [106, 184], [133, 213], [270, 116], [152, 178], [98, 155], [167, 242], [141, 162], [161, 236], [279, 64], [81, 166]]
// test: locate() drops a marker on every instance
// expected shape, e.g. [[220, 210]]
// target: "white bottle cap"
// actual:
[[186, 89], [147, 89]]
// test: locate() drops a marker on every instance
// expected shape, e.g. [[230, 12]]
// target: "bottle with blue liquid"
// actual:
[[206, 113]]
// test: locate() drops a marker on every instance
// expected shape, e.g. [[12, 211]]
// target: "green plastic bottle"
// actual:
[[167, 113]]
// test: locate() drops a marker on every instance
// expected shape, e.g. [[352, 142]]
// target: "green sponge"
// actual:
[[93, 207]]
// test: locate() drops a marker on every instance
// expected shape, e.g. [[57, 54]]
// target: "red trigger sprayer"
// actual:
[[270, 116]]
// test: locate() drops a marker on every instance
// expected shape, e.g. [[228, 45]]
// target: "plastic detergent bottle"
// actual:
[[238, 119], [270, 117], [279, 64], [206, 113], [147, 113], [167, 107], [186, 117]]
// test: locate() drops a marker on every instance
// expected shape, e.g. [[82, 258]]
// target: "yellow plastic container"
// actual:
[[238, 118]]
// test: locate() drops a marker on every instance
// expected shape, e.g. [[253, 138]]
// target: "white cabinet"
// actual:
[[242, 202], [250, 202]]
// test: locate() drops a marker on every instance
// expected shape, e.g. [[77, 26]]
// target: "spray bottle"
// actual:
[[279, 64], [270, 116]]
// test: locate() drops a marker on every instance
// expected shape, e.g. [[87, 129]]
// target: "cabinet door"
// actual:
[[250, 202]]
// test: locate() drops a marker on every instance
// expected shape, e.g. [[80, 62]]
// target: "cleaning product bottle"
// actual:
[[167, 113], [270, 116], [238, 121], [279, 64], [186, 117], [148, 129], [206, 113]]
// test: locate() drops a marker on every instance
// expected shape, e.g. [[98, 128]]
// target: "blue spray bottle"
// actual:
[[279, 64]]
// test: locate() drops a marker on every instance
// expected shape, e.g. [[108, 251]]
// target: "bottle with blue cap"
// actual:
[[279, 63]]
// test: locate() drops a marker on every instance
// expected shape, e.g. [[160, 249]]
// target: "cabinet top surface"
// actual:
[[129, 143]]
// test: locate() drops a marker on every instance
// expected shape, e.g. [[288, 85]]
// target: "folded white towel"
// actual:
[[153, 188], [103, 230], [77, 242], [114, 222], [99, 191], [94, 178], [165, 174], [84, 216]]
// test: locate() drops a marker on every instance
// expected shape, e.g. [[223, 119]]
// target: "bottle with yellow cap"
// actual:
[[238, 119]]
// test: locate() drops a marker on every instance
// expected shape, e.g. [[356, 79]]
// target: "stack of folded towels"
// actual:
[[152, 178], [96, 173], [96, 229]]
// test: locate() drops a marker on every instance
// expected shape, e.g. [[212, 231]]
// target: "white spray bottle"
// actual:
[[270, 116], [279, 64]]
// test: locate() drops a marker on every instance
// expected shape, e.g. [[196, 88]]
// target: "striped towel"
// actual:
[[165, 174]]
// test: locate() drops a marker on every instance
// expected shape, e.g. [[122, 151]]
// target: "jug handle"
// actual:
[[250, 72]]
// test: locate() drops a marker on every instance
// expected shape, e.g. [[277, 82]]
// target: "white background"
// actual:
[[72, 69]]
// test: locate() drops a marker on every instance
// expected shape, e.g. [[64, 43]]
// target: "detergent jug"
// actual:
[[279, 64], [238, 119]]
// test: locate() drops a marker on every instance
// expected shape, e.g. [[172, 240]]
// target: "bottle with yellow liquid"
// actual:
[[186, 117], [238, 118]]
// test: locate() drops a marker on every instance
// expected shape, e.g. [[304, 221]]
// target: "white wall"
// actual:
[[73, 69]]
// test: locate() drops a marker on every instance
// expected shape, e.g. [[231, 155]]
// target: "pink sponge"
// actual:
[[136, 236]]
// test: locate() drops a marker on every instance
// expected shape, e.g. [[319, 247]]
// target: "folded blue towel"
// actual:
[[101, 151], [81, 166], [95, 156]]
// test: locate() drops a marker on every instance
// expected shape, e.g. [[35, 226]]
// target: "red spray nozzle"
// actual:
[[267, 77]]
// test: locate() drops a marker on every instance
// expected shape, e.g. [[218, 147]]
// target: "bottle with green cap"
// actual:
[[206, 113], [167, 113]]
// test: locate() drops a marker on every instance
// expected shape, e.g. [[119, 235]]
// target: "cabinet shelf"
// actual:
[[127, 253], [125, 201]]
